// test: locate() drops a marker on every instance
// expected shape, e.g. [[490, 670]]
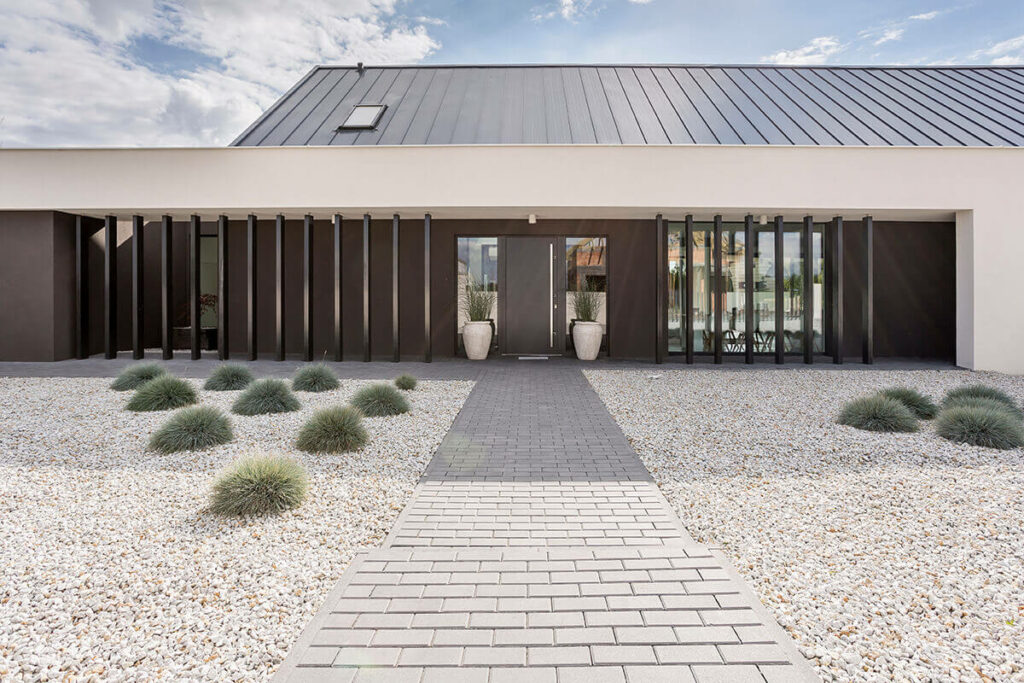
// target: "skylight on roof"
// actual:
[[363, 116]]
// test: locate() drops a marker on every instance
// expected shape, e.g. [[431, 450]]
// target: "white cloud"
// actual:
[[570, 10], [69, 73], [889, 35], [817, 51], [924, 16], [1003, 53]]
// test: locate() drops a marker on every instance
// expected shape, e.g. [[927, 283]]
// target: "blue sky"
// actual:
[[196, 72]]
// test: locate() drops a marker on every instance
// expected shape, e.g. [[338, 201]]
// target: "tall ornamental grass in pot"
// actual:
[[477, 305], [586, 331]]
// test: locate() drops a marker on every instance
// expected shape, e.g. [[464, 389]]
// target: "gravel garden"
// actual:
[[158, 529], [889, 555]]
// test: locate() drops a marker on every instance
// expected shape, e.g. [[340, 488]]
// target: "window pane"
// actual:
[[818, 293], [703, 292], [363, 116], [793, 287], [764, 289], [734, 304], [676, 288], [586, 258], [477, 264]]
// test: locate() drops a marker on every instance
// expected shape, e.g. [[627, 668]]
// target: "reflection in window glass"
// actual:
[[793, 288], [676, 288], [764, 289], [818, 291], [734, 301], [586, 259], [703, 289], [477, 264]]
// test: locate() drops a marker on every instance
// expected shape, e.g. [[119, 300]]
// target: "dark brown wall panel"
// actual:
[[410, 288], [380, 289], [352, 287]]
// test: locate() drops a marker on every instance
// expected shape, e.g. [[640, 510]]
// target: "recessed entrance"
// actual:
[[532, 269]]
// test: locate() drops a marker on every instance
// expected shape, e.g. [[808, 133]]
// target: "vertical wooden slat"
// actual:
[[251, 342], [166, 287], [837, 290], [427, 355], [366, 288], [780, 299], [395, 348], [307, 288], [688, 304], [659, 287], [222, 288], [110, 286], [338, 345], [748, 289], [808, 280], [717, 288], [81, 288], [279, 287], [138, 261], [868, 292], [195, 241]]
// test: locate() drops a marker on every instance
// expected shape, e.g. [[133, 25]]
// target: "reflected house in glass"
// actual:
[[721, 214]]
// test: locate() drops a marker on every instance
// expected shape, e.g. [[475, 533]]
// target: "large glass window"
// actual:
[[793, 288], [703, 288], [818, 290], [734, 279], [586, 264], [477, 265], [676, 288], [764, 289]]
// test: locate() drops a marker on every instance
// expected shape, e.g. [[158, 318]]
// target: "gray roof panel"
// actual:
[[652, 104]]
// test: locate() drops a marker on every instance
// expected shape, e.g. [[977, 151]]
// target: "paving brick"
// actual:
[[753, 654], [591, 674], [558, 656], [430, 656], [623, 654], [626, 635], [664, 673], [524, 636], [589, 636], [533, 674], [726, 674], [687, 654], [494, 656], [367, 656], [623, 618], [541, 619], [456, 675]]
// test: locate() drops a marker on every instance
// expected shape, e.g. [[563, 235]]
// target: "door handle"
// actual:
[[551, 293]]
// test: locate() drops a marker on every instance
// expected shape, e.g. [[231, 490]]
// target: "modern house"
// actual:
[[746, 214]]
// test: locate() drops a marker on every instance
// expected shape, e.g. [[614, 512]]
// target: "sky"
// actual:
[[197, 72]]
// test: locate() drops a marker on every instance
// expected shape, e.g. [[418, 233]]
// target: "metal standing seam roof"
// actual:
[[652, 104]]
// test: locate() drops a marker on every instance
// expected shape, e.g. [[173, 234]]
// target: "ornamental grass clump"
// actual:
[[378, 400], [266, 396], [315, 378], [192, 429], [977, 402], [978, 391], [980, 426], [162, 393], [135, 376], [229, 377], [338, 429], [878, 414], [259, 485], [405, 382], [919, 404]]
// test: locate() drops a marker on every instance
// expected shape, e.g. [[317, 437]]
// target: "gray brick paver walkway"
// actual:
[[537, 548]]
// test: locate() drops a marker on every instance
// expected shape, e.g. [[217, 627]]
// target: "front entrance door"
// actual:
[[531, 295]]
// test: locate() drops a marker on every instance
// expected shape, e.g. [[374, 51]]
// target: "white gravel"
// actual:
[[109, 568], [895, 557]]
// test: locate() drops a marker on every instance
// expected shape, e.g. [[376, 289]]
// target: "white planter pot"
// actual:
[[586, 337], [476, 337]]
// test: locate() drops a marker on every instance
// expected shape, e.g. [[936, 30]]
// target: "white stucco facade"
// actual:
[[978, 187]]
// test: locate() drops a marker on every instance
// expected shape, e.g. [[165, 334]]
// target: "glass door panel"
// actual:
[[733, 299], [793, 288], [676, 288], [818, 292], [477, 264], [703, 289]]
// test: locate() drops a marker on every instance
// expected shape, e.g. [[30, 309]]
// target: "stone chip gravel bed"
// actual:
[[886, 556], [110, 569]]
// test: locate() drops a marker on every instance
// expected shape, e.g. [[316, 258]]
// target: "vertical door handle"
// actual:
[[551, 293]]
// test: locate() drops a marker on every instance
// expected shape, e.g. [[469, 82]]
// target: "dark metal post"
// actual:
[[808, 293], [748, 289], [222, 288], [166, 301], [426, 289], [366, 288], [250, 286], [110, 286], [659, 285], [338, 349], [688, 303], [395, 349], [279, 287], [780, 299], [868, 292], [194, 238], [717, 287], [81, 289], [138, 259], [837, 290], [307, 288]]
